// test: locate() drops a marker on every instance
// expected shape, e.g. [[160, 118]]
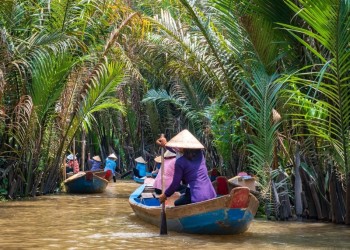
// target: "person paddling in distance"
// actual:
[[95, 163], [140, 168], [190, 168], [111, 164]]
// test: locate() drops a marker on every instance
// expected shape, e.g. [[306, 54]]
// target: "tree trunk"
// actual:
[[83, 141], [13, 187], [316, 200], [305, 205], [335, 205], [276, 201], [298, 185], [311, 205], [347, 207], [285, 208]]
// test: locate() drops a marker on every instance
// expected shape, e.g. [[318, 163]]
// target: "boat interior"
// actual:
[[222, 186]]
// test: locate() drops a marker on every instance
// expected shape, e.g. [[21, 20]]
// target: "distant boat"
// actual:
[[139, 180], [140, 171], [227, 214], [86, 183]]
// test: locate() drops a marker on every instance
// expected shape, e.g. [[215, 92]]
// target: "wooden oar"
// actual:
[[163, 224]]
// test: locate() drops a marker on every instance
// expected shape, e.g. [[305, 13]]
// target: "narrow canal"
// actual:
[[106, 221]]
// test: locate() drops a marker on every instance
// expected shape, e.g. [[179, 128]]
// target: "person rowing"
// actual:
[[190, 167]]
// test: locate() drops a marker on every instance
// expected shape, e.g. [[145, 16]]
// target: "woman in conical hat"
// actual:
[[141, 168], [111, 165], [158, 161], [191, 168], [157, 165], [94, 163], [169, 169]]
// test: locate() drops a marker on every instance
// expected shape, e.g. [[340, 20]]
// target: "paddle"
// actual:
[[163, 224], [125, 174]]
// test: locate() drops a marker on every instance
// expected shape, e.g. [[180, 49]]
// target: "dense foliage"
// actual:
[[263, 84]]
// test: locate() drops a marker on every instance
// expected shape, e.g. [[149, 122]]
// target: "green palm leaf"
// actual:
[[100, 94], [49, 75], [263, 96], [329, 30]]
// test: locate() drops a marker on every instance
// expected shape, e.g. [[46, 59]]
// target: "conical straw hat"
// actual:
[[169, 154], [158, 159], [113, 156], [140, 160], [184, 139], [96, 158]]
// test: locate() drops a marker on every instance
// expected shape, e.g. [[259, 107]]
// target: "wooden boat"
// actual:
[[227, 214], [139, 180], [85, 183], [140, 173]]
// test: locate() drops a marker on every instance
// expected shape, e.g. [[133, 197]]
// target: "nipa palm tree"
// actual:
[[327, 38]]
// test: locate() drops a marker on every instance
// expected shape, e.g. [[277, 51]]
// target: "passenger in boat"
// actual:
[[72, 164], [140, 168], [157, 161], [95, 163], [214, 173], [111, 164], [189, 168], [169, 169]]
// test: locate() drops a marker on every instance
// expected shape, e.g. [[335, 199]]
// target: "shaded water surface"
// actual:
[[106, 221]]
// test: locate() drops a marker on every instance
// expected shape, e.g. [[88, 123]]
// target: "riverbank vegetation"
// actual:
[[263, 84]]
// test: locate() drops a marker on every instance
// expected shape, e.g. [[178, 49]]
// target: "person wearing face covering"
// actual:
[[190, 168], [169, 169], [157, 162]]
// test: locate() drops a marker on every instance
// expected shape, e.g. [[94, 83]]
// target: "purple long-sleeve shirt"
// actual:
[[195, 174]]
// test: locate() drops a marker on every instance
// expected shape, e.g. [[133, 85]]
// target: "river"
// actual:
[[106, 221]]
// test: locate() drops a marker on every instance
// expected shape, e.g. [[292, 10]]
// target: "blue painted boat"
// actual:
[[140, 172], [226, 214], [142, 180], [86, 183], [139, 180]]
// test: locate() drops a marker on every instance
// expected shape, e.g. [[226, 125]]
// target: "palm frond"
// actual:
[[258, 109], [331, 30], [22, 128], [107, 77], [49, 74], [161, 97]]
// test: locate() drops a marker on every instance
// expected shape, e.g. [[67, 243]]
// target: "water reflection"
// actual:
[[106, 221]]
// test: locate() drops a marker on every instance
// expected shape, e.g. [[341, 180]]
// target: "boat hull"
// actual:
[[228, 214], [82, 183], [139, 180]]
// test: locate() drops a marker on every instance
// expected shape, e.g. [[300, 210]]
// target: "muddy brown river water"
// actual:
[[106, 221]]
